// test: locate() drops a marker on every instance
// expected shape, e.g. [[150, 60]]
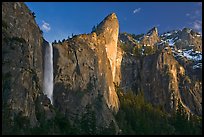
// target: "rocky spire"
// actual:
[[153, 31], [107, 33], [108, 26], [108, 29], [100, 54], [151, 37]]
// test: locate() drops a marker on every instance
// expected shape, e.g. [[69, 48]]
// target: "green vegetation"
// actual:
[[33, 14], [138, 50], [123, 46], [94, 29], [88, 121], [21, 40], [110, 130], [6, 87], [187, 79], [183, 126], [16, 126], [55, 42], [59, 42], [137, 37], [60, 124], [4, 24], [90, 87], [148, 50], [41, 32], [11, 40], [136, 116], [79, 93], [98, 101], [63, 40]]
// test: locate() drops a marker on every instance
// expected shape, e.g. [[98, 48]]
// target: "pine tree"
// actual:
[[94, 29], [88, 121], [33, 13]]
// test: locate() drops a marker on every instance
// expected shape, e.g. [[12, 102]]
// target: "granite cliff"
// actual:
[[158, 71], [88, 68], [84, 71], [22, 65]]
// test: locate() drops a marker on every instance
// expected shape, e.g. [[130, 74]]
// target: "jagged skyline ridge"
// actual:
[[136, 17], [79, 67]]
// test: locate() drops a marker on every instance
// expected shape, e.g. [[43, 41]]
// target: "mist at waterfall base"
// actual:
[[48, 73]]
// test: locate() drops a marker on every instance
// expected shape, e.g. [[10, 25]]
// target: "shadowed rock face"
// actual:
[[150, 38], [85, 68], [21, 60], [189, 37], [164, 80]]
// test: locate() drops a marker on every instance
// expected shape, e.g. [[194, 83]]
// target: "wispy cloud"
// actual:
[[188, 14], [136, 10], [194, 14], [195, 18], [45, 26], [197, 25], [158, 25]]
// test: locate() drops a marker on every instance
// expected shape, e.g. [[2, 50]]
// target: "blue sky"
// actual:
[[58, 20]]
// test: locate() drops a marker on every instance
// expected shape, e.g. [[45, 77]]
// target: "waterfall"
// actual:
[[48, 73]]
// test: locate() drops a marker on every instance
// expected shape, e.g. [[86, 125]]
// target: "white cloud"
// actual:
[[137, 10], [194, 14], [195, 19], [45, 26], [197, 25]]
